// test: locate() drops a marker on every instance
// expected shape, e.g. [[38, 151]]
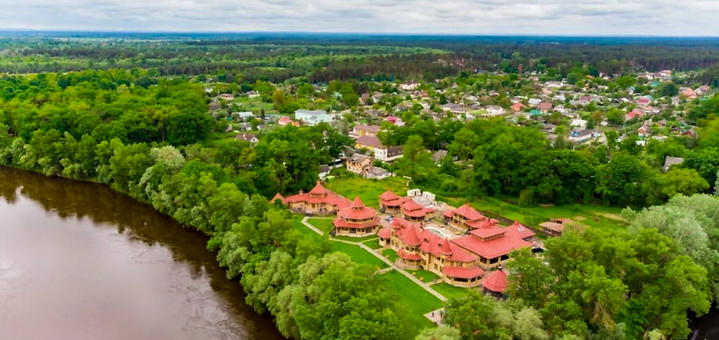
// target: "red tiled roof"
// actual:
[[410, 236], [519, 230], [463, 273], [469, 213], [357, 211], [496, 281], [493, 248], [385, 233], [278, 197], [448, 213], [320, 195], [411, 208], [438, 246], [408, 256], [487, 232], [318, 190], [339, 222], [389, 195]]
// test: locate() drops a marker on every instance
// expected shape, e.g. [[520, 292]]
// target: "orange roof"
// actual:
[[339, 222], [319, 195], [469, 213], [389, 196], [278, 197], [411, 205], [519, 230], [493, 248], [408, 256], [318, 190], [463, 273], [438, 246], [496, 281], [411, 208], [385, 233], [357, 211], [410, 236]]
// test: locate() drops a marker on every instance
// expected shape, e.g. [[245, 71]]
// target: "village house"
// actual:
[[253, 94], [314, 117], [366, 130], [377, 173], [226, 96], [318, 201], [388, 154], [359, 164], [545, 107], [669, 161], [368, 142], [516, 107], [243, 116], [357, 220], [247, 137], [581, 136], [495, 110]]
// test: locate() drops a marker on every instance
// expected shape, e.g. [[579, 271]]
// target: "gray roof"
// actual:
[[669, 161]]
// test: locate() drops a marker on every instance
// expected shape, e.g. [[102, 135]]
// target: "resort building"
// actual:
[[390, 202], [319, 201], [413, 212], [493, 243], [495, 283], [356, 220], [420, 248], [466, 218]]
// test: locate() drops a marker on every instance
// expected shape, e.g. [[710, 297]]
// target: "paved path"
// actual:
[[435, 316], [384, 259]]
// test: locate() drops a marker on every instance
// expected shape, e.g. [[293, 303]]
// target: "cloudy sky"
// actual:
[[564, 17]]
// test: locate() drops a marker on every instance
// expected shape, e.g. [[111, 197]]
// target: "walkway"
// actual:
[[384, 259]]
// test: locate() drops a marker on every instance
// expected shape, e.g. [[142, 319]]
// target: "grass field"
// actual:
[[424, 275], [390, 254], [358, 254], [356, 239], [414, 299], [373, 244], [449, 291], [297, 223], [368, 190], [324, 224]]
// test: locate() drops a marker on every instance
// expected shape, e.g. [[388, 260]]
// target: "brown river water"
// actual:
[[79, 261]]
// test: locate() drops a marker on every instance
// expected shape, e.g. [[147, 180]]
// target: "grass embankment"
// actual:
[[424, 275], [449, 291], [368, 190], [414, 299], [324, 224]]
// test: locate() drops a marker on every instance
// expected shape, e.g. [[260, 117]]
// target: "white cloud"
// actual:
[[580, 17]]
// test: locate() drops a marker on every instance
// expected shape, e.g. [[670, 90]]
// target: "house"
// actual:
[[314, 117], [226, 96], [324, 171], [253, 94], [408, 86], [466, 218], [518, 107], [493, 244], [545, 107], [643, 131], [669, 161], [377, 173], [318, 201], [368, 142], [688, 93], [366, 130], [580, 124], [390, 202], [636, 113], [494, 110], [439, 155], [644, 101], [413, 212], [247, 137], [534, 102], [357, 220], [581, 136], [284, 121], [243, 115], [359, 164], [388, 154], [554, 227]]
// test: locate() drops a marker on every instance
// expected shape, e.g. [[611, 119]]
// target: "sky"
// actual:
[[537, 17]]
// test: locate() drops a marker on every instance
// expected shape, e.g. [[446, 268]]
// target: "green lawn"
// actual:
[[373, 244], [358, 254], [368, 190], [390, 254], [414, 302], [357, 239], [449, 291], [324, 224], [424, 275], [297, 223]]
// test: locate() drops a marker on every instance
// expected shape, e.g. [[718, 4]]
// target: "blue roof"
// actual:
[[535, 112]]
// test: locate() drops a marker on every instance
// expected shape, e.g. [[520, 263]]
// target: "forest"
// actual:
[[134, 115]]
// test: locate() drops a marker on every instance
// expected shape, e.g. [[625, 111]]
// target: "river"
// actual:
[[80, 261]]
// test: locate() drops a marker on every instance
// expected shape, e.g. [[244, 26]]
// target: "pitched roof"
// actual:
[[492, 248], [278, 197], [496, 281], [469, 213], [357, 211], [463, 273], [318, 190], [369, 141], [388, 195]]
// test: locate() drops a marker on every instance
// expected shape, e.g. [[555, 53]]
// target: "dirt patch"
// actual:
[[612, 216], [579, 218]]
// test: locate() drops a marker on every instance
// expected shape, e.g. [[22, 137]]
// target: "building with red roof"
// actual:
[[493, 243], [390, 202], [421, 248], [466, 218], [495, 283], [318, 201], [356, 220], [413, 212]]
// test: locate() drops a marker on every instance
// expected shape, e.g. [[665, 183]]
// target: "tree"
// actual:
[[681, 181], [188, 128], [442, 332]]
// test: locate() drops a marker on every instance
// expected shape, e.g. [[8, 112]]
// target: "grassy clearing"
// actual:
[[373, 244], [390, 254], [414, 300], [358, 254], [368, 190], [450, 291], [424, 275], [324, 224], [356, 239], [299, 226]]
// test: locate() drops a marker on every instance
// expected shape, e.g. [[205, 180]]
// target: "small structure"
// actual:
[[669, 161], [319, 201], [388, 154], [390, 202], [314, 117], [357, 220], [495, 283], [366, 130], [359, 164], [413, 212], [377, 173], [247, 137]]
